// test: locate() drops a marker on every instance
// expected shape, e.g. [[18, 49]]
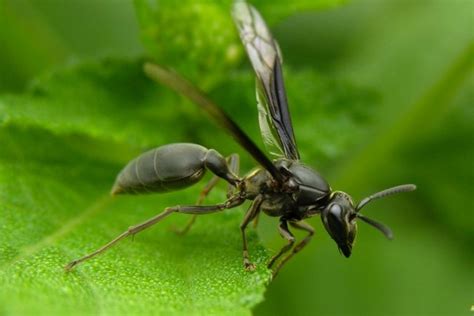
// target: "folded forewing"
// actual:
[[264, 54], [176, 82]]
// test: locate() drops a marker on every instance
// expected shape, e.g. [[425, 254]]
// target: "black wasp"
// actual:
[[284, 188]]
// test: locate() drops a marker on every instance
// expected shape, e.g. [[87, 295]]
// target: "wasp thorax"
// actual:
[[339, 220]]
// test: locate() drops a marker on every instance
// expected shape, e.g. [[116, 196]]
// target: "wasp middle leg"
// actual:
[[253, 211]]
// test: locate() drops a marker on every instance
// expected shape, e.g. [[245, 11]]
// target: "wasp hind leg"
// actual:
[[285, 233], [302, 225], [233, 162], [131, 231]]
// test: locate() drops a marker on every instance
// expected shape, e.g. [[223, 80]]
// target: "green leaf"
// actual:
[[81, 100], [56, 169]]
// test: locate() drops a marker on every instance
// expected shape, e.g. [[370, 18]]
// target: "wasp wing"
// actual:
[[264, 54], [181, 85]]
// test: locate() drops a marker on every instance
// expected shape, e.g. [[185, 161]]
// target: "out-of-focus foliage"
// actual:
[[115, 103], [37, 35], [381, 93], [206, 31]]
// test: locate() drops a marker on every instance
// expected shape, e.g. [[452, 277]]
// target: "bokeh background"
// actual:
[[397, 74]]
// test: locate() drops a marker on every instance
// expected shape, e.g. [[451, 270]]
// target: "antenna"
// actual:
[[381, 227], [384, 193]]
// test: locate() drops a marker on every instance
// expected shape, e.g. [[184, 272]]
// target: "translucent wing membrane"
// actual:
[[267, 129], [264, 54]]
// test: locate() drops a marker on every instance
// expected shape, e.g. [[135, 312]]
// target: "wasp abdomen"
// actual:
[[166, 168]]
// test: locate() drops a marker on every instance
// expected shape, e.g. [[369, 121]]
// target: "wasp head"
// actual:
[[339, 219], [340, 214]]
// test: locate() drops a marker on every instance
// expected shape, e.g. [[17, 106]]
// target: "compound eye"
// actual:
[[335, 221], [336, 211]]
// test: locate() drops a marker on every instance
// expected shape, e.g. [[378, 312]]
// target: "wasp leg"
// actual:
[[285, 233], [251, 213], [233, 162], [192, 209], [255, 220], [209, 186], [302, 226]]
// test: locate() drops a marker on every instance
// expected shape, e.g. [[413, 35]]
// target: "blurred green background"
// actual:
[[398, 75]]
